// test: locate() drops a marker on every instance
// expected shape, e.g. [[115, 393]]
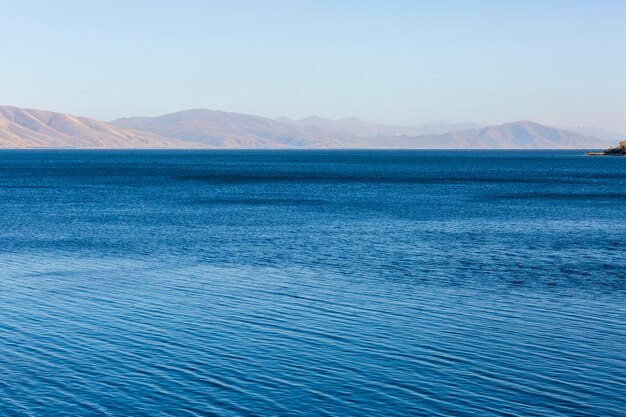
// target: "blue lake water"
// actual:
[[318, 283]]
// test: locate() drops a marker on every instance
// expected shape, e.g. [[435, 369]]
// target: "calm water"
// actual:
[[312, 283]]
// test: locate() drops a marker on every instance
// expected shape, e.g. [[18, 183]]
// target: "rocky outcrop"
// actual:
[[619, 150]]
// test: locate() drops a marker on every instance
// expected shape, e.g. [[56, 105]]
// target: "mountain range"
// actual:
[[209, 129]]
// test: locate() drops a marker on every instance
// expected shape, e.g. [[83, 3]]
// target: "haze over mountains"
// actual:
[[218, 129], [599, 133], [352, 127], [208, 129], [516, 135]]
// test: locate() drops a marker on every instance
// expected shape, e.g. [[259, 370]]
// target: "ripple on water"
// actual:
[[405, 283]]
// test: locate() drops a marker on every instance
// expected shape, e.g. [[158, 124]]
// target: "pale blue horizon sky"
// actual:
[[401, 62]]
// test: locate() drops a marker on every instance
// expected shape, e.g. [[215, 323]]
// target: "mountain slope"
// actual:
[[229, 130], [27, 128], [516, 135]]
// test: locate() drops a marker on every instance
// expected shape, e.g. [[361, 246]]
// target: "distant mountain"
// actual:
[[230, 130], [26, 128], [516, 135], [603, 134], [352, 127], [235, 130], [189, 129]]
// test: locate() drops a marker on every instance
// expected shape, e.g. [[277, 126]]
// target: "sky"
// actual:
[[398, 62]]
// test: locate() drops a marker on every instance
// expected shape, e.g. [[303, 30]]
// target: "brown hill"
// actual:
[[27, 128]]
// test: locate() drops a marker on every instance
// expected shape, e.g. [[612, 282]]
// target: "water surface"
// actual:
[[339, 283]]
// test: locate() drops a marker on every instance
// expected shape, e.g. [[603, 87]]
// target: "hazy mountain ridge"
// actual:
[[228, 130], [352, 127], [201, 128], [515, 135], [603, 134]]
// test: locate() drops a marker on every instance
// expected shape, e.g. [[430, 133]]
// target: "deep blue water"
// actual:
[[312, 283]]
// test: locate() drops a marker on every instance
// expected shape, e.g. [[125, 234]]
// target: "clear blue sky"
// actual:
[[386, 61]]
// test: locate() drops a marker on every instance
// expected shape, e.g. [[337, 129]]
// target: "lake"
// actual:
[[313, 283]]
